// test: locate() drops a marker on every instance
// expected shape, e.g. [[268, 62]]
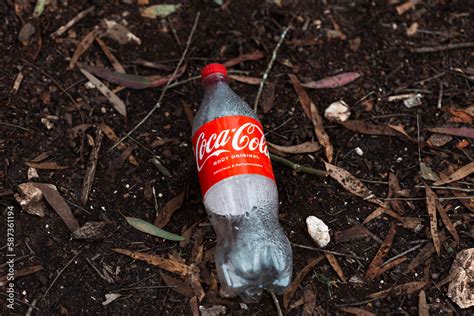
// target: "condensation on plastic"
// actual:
[[252, 252]]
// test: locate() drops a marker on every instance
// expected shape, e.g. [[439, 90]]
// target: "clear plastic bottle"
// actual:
[[240, 193]]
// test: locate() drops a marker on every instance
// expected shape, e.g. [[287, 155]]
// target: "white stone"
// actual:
[[30, 199], [32, 173], [337, 112], [359, 151], [461, 287], [318, 230]]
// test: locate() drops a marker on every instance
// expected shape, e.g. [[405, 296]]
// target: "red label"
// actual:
[[230, 146]]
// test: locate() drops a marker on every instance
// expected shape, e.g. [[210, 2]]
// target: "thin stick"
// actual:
[[275, 301], [356, 303], [446, 188], [91, 167], [402, 254], [71, 23], [59, 274], [424, 198], [147, 287], [327, 251], [269, 67], [157, 105], [298, 167], [441, 48], [17, 126]]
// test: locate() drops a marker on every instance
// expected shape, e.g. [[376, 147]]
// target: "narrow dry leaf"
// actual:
[[364, 127], [459, 116], [256, 55], [164, 215], [176, 285], [110, 134], [423, 308], [57, 202], [351, 183], [21, 272], [302, 95], [458, 174], [447, 222], [455, 131], [393, 189], [110, 297], [290, 292], [154, 65], [426, 252], [303, 148], [188, 111], [356, 311], [46, 165], [404, 7], [82, 47], [353, 233], [392, 264], [169, 265], [268, 97], [374, 268], [335, 265], [400, 129], [246, 79], [113, 60], [376, 213], [149, 228], [159, 10], [195, 282], [117, 103], [403, 289], [431, 206], [333, 81]]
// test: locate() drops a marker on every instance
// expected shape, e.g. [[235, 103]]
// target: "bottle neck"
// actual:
[[214, 79]]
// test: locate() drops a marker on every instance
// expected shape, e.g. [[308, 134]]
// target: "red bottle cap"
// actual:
[[213, 69]]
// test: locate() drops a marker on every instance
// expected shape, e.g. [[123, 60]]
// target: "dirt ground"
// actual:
[[39, 122]]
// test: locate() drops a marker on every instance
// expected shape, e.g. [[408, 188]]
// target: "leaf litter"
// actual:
[[431, 199], [403, 289], [375, 265], [151, 229], [459, 174], [164, 215], [332, 81]]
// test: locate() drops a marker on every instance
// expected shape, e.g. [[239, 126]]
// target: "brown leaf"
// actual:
[[332, 81], [462, 144], [115, 165], [178, 286], [403, 289], [79, 130], [268, 97], [426, 252], [423, 308], [57, 202], [431, 206], [113, 60], [110, 134], [447, 222], [21, 272], [393, 188], [290, 292], [404, 7], [188, 111], [302, 95], [351, 183], [303, 148], [246, 79], [356, 311], [353, 233], [455, 131], [46, 165], [458, 174], [164, 215], [391, 265], [364, 127], [169, 265], [187, 233], [256, 55], [400, 129], [195, 281], [374, 268], [375, 213], [335, 265], [459, 116], [82, 47]]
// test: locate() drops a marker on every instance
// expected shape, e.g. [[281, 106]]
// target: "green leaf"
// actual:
[[151, 229], [159, 10], [39, 8]]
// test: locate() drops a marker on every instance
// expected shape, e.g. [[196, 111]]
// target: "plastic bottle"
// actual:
[[239, 192]]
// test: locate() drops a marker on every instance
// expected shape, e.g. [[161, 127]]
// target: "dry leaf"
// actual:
[[246, 79], [399, 128], [447, 222], [193, 304], [351, 183], [169, 265], [423, 308], [403, 289], [393, 189], [376, 213], [303, 148], [353, 233], [391, 265], [117, 103], [302, 95], [426, 252], [431, 206], [290, 292], [195, 281], [188, 111], [356, 311], [455, 131], [268, 97], [164, 215], [21, 272], [402, 8], [335, 265], [459, 116], [113, 60], [364, 127], [463, 144], [176, 285], [244, 57], [332, 81], [82, 47], [374, 268], [57, 202], [110, 134], [458, 174], [46, 165], [439, 140], [159, 10]]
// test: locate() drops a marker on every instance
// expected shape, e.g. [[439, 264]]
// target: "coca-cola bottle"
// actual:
[[239, 192]]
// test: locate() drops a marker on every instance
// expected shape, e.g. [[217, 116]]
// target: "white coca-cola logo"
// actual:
[[248, 136]]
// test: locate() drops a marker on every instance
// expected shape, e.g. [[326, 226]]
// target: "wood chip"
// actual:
[[431, 199], [82, 47], [351, 183], [303, 148], [459, 174], [335, 265], [164, 215], [403, 289], [290, 292], [374, 268]]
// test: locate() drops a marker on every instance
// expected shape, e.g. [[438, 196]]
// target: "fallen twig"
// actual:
[[328, 251], [157, 105], [71, 23], [269, 67], [440, 48], [298, 167], [275, 301], [59, 274], [91, 167]]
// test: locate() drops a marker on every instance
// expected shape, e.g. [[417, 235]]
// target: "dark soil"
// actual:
[[388, 68]]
